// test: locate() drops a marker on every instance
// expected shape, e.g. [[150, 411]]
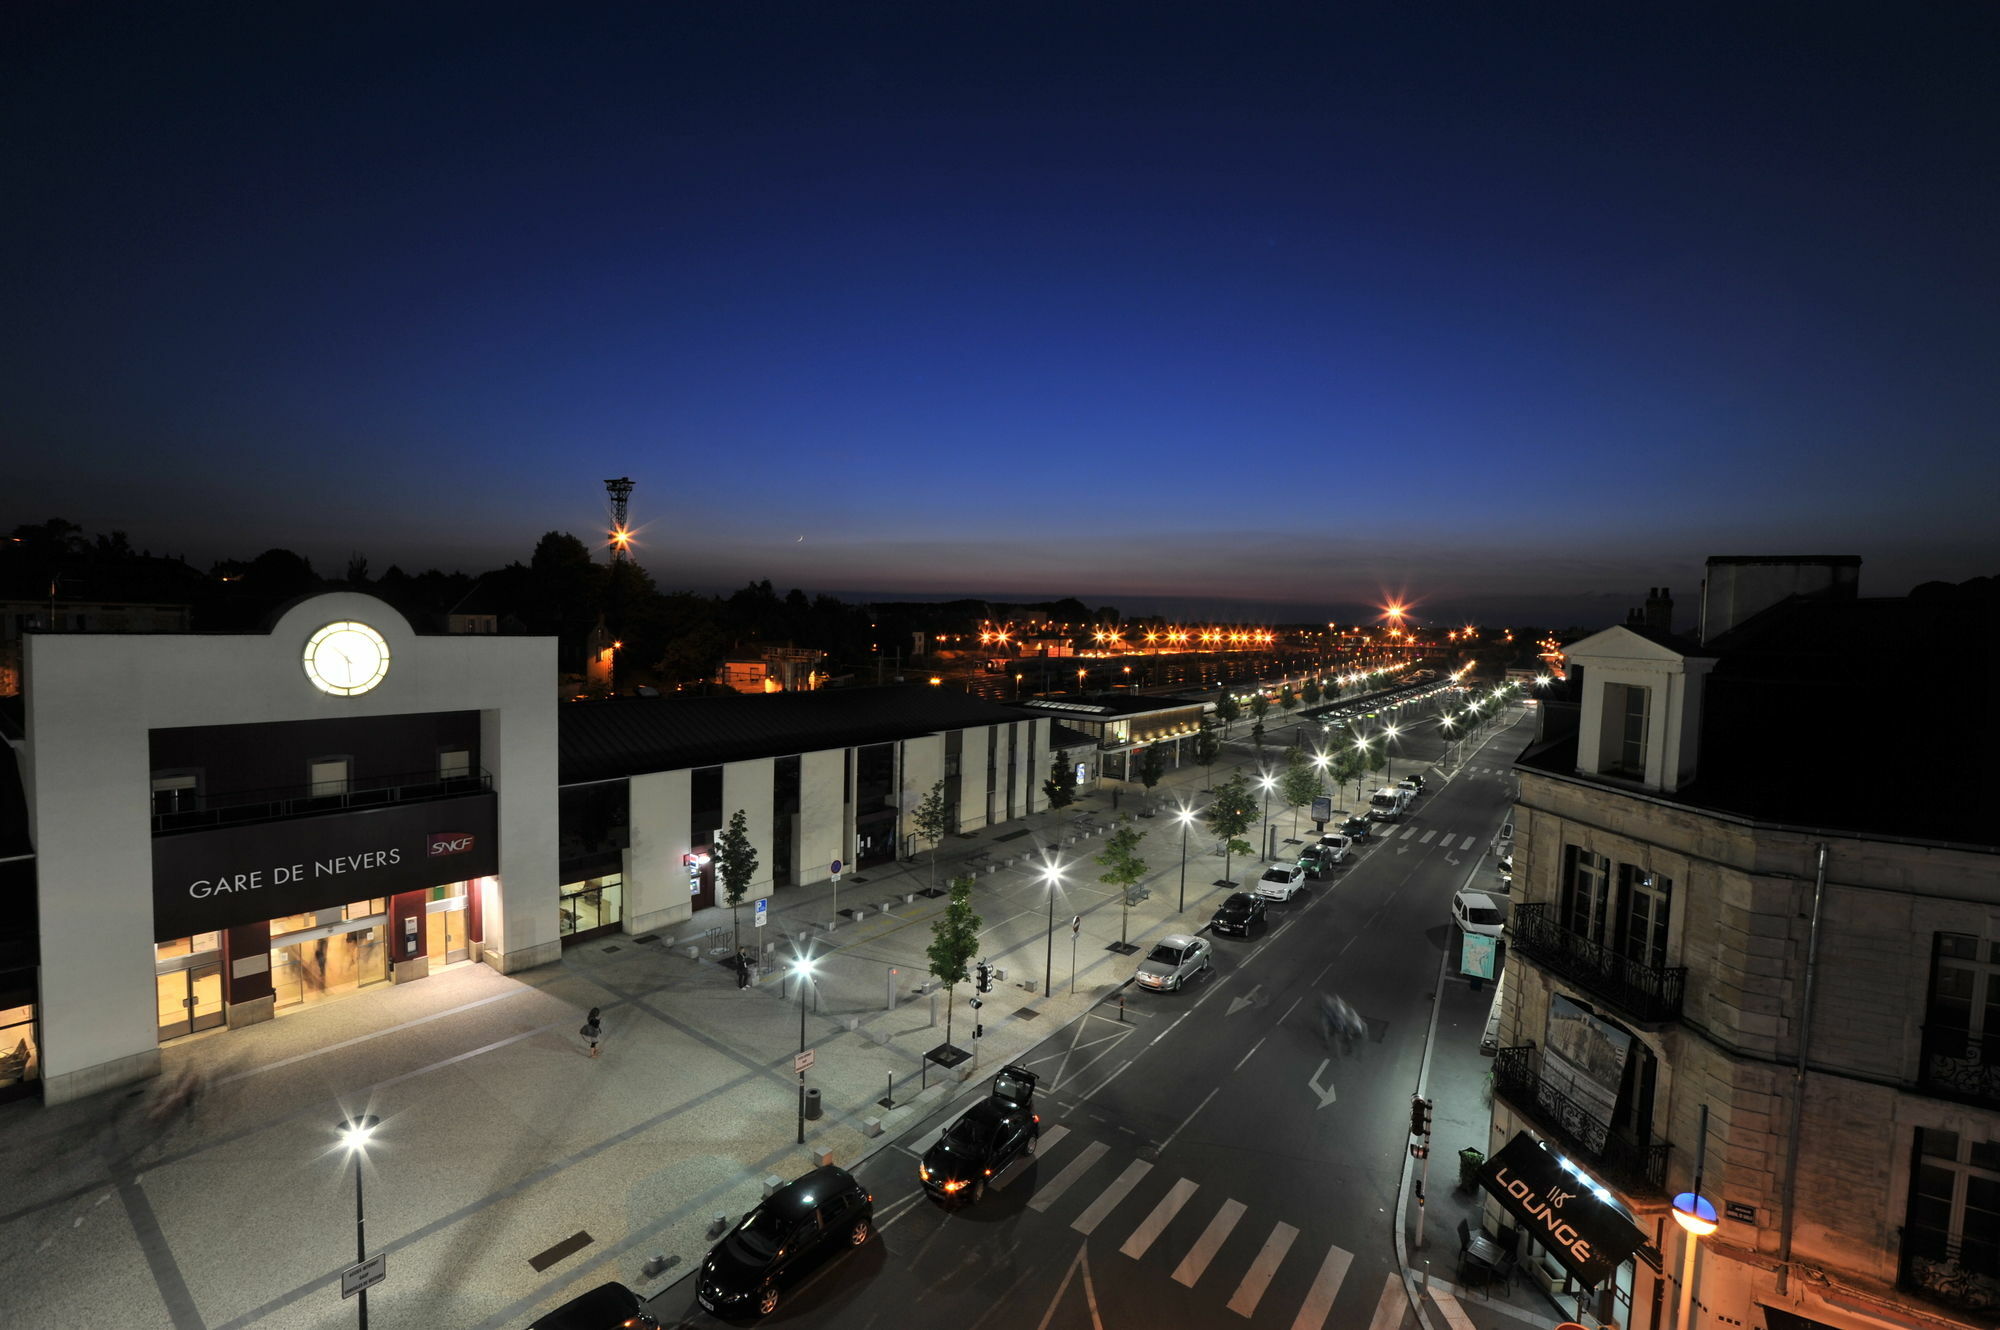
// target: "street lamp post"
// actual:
[[1388, 733], [1049, 954], [801, 973], [354, 1134], [1270, 852], [1696, 1216], [1186, 816]]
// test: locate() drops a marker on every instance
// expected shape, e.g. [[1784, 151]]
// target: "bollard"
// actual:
[[1121, 1006], [717, 1224]]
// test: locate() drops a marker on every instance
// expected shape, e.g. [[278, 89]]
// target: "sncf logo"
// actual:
[[448, 842]]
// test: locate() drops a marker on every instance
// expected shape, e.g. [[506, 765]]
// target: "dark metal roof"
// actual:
[[1105, 706], [631, 736], [1062, 736]]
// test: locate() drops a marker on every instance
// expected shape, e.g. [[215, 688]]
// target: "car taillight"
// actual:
[[1036, 1116]]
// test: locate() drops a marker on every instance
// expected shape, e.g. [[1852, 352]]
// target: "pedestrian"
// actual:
[[593, 1030]]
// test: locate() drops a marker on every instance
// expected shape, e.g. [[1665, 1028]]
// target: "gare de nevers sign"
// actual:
[[220, 878]]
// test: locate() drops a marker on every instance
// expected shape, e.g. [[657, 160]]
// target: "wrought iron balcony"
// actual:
[[1650, 994], [1958, 1064], [1635, 1166], [1960, 1273], [264, 805]]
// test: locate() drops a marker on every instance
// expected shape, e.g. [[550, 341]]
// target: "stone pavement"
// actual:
[[501, 1139]]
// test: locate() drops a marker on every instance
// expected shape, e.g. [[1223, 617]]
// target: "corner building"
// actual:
[[228, 825], [1726, 900]]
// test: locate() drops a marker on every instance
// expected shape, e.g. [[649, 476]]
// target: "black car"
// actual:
[[783, 1240], [607, 1307], [1237, 914], [986, 1138], [1356, 829]]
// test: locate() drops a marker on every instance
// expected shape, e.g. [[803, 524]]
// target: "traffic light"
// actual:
[[1420, 1116], [983, 978]]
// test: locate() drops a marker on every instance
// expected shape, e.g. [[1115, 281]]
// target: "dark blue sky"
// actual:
[[1517, 309]]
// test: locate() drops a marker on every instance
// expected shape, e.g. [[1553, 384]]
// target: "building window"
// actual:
[[1642, 915], [173, 794], [1965, 993], [1623, 748], [1585, 903], [328, 777], [454, 764], [1954, 1231]]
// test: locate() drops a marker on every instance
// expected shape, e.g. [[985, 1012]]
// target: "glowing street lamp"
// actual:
[[802, 968], [354, 1135], [1269, 782], [1052, 875], [1696, 1216], [1186, 816]]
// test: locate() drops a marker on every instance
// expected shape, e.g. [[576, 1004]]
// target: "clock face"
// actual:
[[346, 658]]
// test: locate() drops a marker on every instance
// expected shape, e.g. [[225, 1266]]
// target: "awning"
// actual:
[[1588, 1237]]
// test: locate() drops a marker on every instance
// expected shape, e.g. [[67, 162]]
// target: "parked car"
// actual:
[[1281, 882], [1337, 844], [783, 1240], [1389, 803], [986, 1138], [1175, 959], [1238, 914], [1357, 829], [1477, 912], [607, 1307], [1416, 783], [1316, 862]]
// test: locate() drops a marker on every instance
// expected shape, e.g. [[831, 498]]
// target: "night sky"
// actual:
[[1514, 309]]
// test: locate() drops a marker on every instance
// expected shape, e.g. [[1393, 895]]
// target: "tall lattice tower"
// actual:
[[620, 491]]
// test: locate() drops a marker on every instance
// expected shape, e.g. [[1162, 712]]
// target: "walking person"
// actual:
[[593, 1030]]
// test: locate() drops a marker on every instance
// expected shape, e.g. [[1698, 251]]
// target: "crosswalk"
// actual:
[[1423, 835], [1137, 1204]]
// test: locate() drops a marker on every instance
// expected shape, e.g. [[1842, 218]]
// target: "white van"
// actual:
[[1388, 804]]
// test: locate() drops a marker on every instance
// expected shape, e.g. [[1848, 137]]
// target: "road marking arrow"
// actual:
[[1247, 1000], [1326, 1096], [1448, 859]]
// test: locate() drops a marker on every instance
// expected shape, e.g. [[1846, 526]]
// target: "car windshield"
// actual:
[[1236, 904], [1285, 875], [969, 1133], [1165, 954]]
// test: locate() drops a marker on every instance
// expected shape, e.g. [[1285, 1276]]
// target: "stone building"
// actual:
[[1753, 879]]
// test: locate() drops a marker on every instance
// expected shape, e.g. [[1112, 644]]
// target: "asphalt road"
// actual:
[[1205, 1158]]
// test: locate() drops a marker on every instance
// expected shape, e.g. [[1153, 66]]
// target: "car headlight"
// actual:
[[954, 1186]]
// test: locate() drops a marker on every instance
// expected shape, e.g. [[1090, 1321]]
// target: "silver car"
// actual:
[[1175, 959]]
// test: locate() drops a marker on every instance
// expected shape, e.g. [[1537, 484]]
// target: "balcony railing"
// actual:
[[1637, 1167], [1648, 993], [1959, 1273], [1957, 1064], [271, 802]]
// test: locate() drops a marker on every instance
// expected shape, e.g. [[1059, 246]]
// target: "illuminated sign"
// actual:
[[1589, 1237]]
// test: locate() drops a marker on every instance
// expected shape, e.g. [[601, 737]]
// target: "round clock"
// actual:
[[346, 658]]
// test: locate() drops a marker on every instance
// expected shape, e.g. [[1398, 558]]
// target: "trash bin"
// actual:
[[1469, 1161], [812, 1105]]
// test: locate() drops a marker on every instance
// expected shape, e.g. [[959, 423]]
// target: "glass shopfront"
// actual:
[[20, 1055], [591, 907], [187, 983], [445, 938], [329, 953]]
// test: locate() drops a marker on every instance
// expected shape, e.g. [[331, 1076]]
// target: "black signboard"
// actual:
[[1558, 1210], [205, 880]]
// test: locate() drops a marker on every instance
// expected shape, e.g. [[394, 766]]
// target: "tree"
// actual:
[[1347, 765], [1299, 785], [1287, 699], [1151, 770], [1060, 788], [1229, 814], [1311, 692], [1226, 711], [1257, 732], [1260, 706], [735, 868], [954, 942], [1206, 747], [1123, 868], [931, 820]]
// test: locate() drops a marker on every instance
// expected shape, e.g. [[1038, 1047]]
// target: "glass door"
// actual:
[[444, 936], [189, 1000]]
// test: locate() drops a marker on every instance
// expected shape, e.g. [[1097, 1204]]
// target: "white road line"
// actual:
[[1425, 839], [1454, 1314], [1014, 1170], [1407, 833], [1258, 1277], [1468, 844], [1163, 1214], [1209, 1243], [1393, 1307], [1066, 1179], [1088, 1221], [1326, 1287], [1189, 1118], [1253, 1048]]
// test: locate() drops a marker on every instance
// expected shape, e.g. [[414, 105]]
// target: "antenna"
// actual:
[[620, 491]]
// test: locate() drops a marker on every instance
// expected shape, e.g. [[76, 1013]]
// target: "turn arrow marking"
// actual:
[[1247, 1000], [1326, 1096]]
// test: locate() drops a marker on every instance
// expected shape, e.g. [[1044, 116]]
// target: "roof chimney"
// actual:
[[1660, 611]]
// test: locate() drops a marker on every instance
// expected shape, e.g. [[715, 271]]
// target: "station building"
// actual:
[[200, 832]]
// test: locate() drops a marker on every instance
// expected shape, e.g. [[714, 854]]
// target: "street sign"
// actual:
[[1322, 809], [1476, 955], [803, 1061], [1075, 925], [837, 866], [365, 1275], [763, 907]]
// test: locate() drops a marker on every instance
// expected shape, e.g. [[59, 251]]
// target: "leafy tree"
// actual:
[[1346, 766], [1257, 732], [1311, 692], [954, 942], [1230, 811], [1287, 699], [1260, 706], [1151, 768], [1123, 868], [1206, 747], [1299, 785], [735, 869], [1226, 711], [1060, 788], [931, 820]]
